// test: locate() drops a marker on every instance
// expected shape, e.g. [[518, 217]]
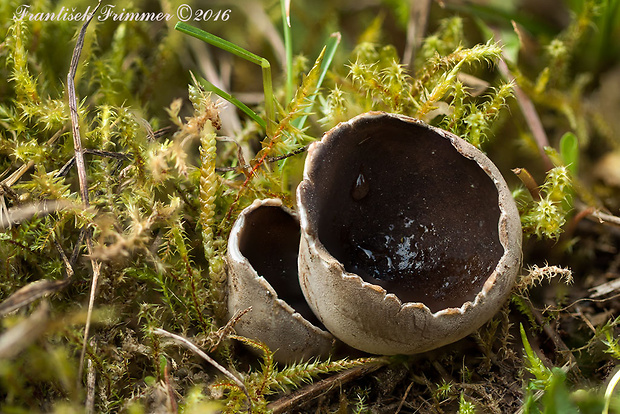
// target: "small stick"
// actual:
[[78, 245], [225, 330], [560, 345], [17, 174], [416, 26], [402, 400], [81, 168], [117, 155], [531, 116], [75, 126], [31, 292], [605, 218], [572, 226], [529, 181], [173, 401], [270, 160], [308, 393], [15, 215], [189, 345], [290, 154], [91, 378], [68, 267]]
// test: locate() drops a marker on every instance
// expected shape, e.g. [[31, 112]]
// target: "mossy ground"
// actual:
[[164, 188]]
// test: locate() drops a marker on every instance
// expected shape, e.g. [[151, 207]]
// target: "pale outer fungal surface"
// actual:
[[410, 237], [263, 248]]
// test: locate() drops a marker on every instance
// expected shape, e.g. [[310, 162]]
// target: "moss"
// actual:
[[165, 187]]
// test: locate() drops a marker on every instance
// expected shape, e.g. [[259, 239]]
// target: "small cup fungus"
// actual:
[[410, 237], [262, 254]]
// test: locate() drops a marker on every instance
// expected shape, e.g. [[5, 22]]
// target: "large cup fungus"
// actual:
[[410, 237], [262, 255]]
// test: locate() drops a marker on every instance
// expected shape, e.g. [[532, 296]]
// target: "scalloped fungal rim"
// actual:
[[332, 294], [270, 315]]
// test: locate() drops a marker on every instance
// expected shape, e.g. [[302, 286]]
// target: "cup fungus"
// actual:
[[410, 237], [262, 254]]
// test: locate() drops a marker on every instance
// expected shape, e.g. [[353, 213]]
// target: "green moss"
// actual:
[[165, 188]]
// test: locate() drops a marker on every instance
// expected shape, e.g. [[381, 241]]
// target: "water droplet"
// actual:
[[360, 187]]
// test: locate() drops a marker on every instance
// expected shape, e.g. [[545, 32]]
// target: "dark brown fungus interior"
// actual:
[[270, 242], [399, 206]]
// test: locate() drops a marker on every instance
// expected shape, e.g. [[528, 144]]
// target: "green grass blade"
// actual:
[[225, 95], [569, 151], [288, 45], [270, 104], [270, 108], [219, 42], [536, 366], [613, 382], [329, 51]]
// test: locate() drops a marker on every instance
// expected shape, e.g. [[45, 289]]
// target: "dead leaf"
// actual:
[[16, 215], [16, 339], [32, 292]]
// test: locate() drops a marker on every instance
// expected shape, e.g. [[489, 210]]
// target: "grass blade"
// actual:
[[219, 42], [288, 45], [270, 108], [569, 151], [329, 51], [225, 95]]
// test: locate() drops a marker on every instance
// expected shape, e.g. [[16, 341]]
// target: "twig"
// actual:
[[225, 330], [416, 26], [173, 402], [311, 391], [78, 246], [15, 215], [189, 345], [290, 154], [529, 181], [606, 288], [91, 378], [19, 337], [605, 218], [117, 155], [68, 267], [31, 292], [572, 226], [402, 400], [531, 116], [39, 289], [81, 169], [559, 344], [161, 132], [269, 160], [17, 174], [75, 125]]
